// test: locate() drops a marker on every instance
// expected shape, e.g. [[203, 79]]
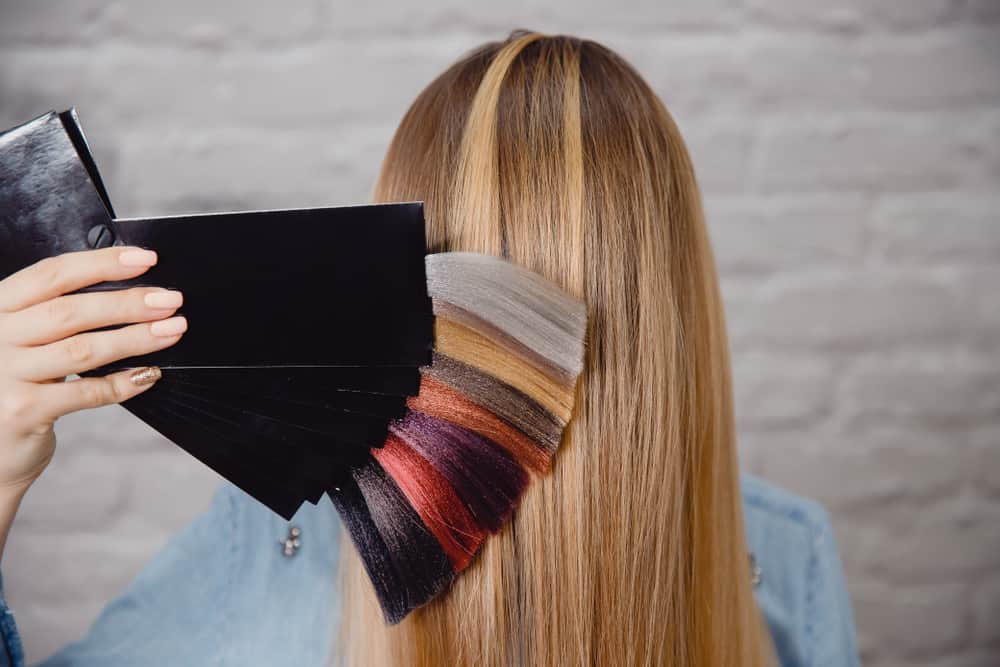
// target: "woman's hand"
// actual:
[[45, 335]]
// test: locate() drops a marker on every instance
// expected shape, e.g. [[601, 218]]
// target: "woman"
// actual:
[[553, 152]]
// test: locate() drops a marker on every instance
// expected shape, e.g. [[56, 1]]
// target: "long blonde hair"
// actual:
[[553, 152]]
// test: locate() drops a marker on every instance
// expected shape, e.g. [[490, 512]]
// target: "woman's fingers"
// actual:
[[61, 398], [57, 275], [86, 351], [66, 315]]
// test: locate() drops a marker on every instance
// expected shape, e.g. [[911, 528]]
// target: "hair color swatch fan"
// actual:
[[328, 353]]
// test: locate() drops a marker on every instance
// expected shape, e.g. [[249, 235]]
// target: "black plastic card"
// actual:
[[303, 287], [308, 382], [245, 473], [326, 431], [333, 403]]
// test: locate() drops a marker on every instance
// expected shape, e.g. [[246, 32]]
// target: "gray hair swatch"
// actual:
[[522, 304]]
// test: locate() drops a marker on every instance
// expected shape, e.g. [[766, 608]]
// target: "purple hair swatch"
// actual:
[[482, 473]]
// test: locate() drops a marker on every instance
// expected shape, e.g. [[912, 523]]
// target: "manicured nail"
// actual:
[[164, 299], [137, 257], [169, 327], [144, 376]]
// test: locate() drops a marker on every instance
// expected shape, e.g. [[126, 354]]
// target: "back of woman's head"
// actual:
[[553, 152]]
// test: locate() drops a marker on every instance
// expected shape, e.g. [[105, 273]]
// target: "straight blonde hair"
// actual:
[[554, 153]]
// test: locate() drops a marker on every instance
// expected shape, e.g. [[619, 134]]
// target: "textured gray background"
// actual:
[[850, 159]]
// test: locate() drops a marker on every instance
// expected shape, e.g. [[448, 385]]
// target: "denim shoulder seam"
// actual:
[[812, 580]]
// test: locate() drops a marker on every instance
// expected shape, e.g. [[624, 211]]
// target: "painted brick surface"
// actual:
[[849, 154]]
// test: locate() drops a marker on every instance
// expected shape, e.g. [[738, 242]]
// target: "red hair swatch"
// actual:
[[434, 500]]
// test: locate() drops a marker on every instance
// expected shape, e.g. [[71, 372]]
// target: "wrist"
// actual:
[[12, 493], [10, 500]]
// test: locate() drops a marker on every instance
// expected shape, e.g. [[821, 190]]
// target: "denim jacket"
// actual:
[[222, 592]]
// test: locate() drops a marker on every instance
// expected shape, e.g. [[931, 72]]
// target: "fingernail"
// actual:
[[164, 299], [137, 257], [169, 327], [144, 376]]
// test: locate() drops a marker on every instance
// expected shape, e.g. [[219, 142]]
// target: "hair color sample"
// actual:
[[482, 473], [508, 402], [421, 566], [459, 341], [450, 311], [433, 498], [521, 303], [357, 519], [440, 400]]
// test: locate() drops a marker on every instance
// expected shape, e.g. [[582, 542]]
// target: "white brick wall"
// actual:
[[850, 158]]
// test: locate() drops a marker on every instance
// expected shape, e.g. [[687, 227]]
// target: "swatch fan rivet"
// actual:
[[290, 545]]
